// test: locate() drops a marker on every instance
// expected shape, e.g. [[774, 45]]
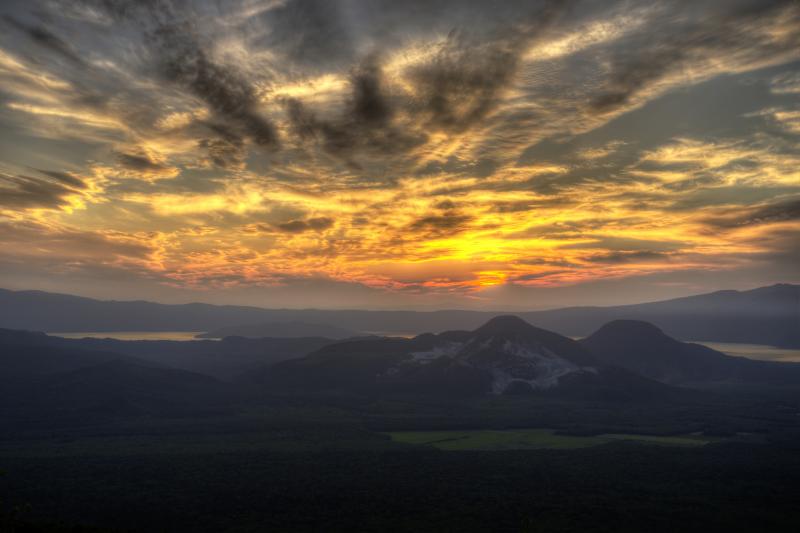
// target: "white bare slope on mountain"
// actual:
[[517, 360]]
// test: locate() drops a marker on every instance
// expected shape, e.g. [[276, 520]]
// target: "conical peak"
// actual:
[[504, 324]]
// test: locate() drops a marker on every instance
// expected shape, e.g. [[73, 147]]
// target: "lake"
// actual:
[[755, 351], [132, 335]]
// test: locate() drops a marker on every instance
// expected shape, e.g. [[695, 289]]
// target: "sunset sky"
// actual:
[[387, 154]]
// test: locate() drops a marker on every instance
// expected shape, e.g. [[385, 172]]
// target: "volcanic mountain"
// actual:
[[644, 349], [504, 356]]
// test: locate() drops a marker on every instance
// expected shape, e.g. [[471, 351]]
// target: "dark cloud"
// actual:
[[741, 196], [696, 181], [310, 224], [222, 153], [462, 83], [178, 50], [767, 214], [625, 244], [366, 122], [227, 92], [529, 205], [702, 31], [329, 35], [782, 245], [667, 166], [303, 122], [628, 257], [447, 224], [370, 105], [47, 39], [452, 91], [62, 243], [20, 192], [64, 177], [225, 149], [533, 276], [445, 205], [310, 33], [140, 162], [547, 261], [568, 229], [138, 11]]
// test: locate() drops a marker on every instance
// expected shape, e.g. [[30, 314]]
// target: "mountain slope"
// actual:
[[44, 382], [26, 355], [643, 348], [223, 359], [505, 356]]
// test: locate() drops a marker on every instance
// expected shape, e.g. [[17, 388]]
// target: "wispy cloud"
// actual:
[[440, 148]]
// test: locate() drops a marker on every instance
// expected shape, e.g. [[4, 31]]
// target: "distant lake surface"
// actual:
[[132, 335], [755, 351], [403, 334]]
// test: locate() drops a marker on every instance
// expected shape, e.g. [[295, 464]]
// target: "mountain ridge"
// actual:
[[767, 315], [504, 356]]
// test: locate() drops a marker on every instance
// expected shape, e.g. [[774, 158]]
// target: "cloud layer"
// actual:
[[427, 153]]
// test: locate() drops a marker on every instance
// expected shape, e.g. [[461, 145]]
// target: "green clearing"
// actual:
[[522, 439]]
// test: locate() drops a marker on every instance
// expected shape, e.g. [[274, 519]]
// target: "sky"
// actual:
[[382, 154]]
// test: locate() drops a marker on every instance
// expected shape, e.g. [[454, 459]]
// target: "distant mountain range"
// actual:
[[768, 315], [49, 380]]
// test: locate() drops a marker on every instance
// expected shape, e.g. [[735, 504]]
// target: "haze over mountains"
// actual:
[[767, 315], [280, 329], [505, 356]]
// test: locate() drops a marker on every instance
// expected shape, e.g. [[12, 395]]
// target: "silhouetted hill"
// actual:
[[768, 315], [645, 349], [28, 355], [50, 381], [504, 356], [223, 359], [280, 330]]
